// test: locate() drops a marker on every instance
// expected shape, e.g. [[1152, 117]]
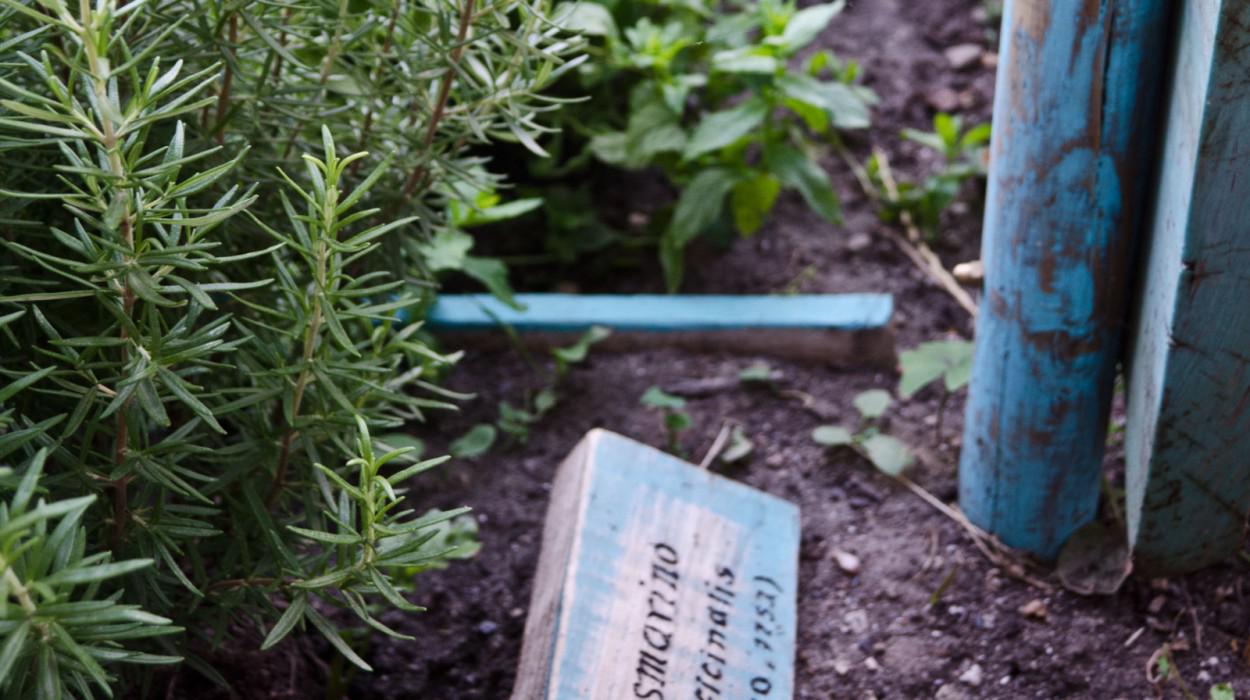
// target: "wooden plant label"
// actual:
[[658, 580]]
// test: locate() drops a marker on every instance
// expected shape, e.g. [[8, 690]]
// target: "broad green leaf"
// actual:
[[611, 147], [799, 172], [807, 23], [577, 352], [719, 129], [493, 275], [745, 60], [873, 403], [474, 443], [447, 250], [887, 453], [949, 359], [752, 199], [832, 435], [701, 203], [845, 108]]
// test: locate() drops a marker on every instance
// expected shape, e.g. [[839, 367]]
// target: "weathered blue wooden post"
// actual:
[[1078, 83], [1188, 439]]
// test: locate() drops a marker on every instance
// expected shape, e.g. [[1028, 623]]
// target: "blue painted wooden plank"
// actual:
[[663, 313], [1074, 121], [659, 580], [1188, 435]]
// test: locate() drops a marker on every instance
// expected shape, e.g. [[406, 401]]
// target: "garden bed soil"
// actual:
[[925, 609]]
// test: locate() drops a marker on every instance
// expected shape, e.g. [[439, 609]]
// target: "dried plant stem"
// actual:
[[912, 245], [17, 589], [440, 102]]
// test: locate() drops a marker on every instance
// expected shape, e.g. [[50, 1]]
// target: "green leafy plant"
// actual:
[[676, 420], [517, 422], [885, 452], [964, 158], [948, 360], [711, 100], [202, 305]]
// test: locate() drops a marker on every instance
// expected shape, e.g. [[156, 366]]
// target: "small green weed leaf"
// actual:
[[832, 436], [474, 443], [752, 199], [611, 147], [1223, 691], [676, 422], [720, 129], [873, 403], [948, 359], [888, 454], [577, 352], [739, 446], [655, 397], [758, 372]]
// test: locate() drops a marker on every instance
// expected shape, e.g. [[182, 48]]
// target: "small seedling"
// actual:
[[739, 446], [676, 420], [576, 353], [759, 373], [474, 443], [887, 453], [964, 159], [948, 360]]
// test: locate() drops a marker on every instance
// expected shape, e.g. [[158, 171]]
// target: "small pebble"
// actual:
[[847, 562], [1035, 609], [871, 664], [858, 242], [943, 100], [841, 666], [972, 676], [857, 620], [961, 56], [1157, 603], [487, 627], [516, 612]]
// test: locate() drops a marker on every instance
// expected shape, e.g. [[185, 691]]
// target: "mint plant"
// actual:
[[707, 94]]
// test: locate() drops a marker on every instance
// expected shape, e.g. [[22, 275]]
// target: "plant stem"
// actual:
[[312, 334], [223, 98], [440, 102], [109, 140], [17, 588]]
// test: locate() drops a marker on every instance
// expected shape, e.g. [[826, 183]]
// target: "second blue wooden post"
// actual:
[[1074, 128]]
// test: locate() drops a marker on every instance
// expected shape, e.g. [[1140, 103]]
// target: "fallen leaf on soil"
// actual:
[[849, 563], [1095, 560], [1035, 609]]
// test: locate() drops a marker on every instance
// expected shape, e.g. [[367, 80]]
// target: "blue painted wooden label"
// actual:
[[659, 580]]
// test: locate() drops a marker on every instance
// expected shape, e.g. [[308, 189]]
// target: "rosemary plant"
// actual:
[[211, 213]]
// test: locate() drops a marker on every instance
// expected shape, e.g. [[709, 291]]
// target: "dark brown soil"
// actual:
[[926, 607]]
